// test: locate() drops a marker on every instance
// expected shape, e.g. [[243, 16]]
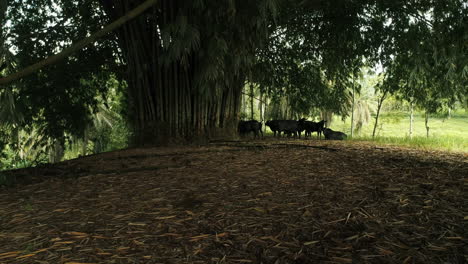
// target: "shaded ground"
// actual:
[[241, 202]]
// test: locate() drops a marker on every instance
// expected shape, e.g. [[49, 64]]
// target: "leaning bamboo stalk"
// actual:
[[79, 45]]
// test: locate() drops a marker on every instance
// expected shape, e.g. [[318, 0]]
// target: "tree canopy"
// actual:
[[185, 62]]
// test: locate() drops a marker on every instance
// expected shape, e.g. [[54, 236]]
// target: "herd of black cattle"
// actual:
[[290, 128]]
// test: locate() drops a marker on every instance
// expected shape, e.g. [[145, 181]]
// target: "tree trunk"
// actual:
[[260, 106], [426, 121], [56, 151], [244, 104], [251, 102], [266, 113], [352, 113], [411, 119], [379, 106], [167, 104], [84, 147], [327, 116]]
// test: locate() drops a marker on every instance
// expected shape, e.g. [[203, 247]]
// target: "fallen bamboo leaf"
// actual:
[[122, 248], [75, 233], [342, 260], [274, 239], [436, 248], [11, 252], [196, 238], [351, 237], [100, 237], [336, 221], [384, 251], [407, 260], [61, 210], [258, 209], [40, 250], [222, 234], [73, 262], [25, 256], [311, 243], [10, 255], [64, 242], [64, 249], [347, 218], [170, 234], [454, 238], [166, 217], [139, 243], [136, 224]]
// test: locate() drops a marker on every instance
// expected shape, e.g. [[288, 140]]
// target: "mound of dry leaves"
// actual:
[[265, 201]]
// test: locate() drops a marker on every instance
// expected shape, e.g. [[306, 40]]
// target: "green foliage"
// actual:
[[304, 55], [411, 42], [58, 98], [429, 71]]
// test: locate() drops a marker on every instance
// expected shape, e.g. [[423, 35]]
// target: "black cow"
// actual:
[[289, 127], [273, 124], [334, 135], [310, 126], [245, 127]]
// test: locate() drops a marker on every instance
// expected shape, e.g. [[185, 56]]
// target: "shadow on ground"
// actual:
[[265, 201]]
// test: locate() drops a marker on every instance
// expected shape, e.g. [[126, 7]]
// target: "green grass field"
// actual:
[[444, 134]]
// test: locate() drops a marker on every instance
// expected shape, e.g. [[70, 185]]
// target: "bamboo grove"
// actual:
[[182, 65], [185, 83]]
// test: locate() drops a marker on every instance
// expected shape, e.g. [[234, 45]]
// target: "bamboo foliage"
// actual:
[[187, 70], [79, 45], [187, 60]]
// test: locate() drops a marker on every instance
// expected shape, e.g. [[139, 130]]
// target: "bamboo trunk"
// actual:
[[426, 121], [251, 102], [165, 103], [411, 119], [352, 113], [379, 106]]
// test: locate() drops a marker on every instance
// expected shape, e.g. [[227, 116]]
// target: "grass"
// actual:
[[450, 134], [444, 134], [449, 143]]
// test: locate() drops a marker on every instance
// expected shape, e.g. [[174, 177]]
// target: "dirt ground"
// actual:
[[263, 201]]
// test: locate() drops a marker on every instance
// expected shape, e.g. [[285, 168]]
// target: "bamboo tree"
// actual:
[[244, 104], [411, 118], [251, 102], [426, 121], [79, 45], [260, 106], [215, 79], [185, 67], [84, 146], [352, 109], [379, 107]]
